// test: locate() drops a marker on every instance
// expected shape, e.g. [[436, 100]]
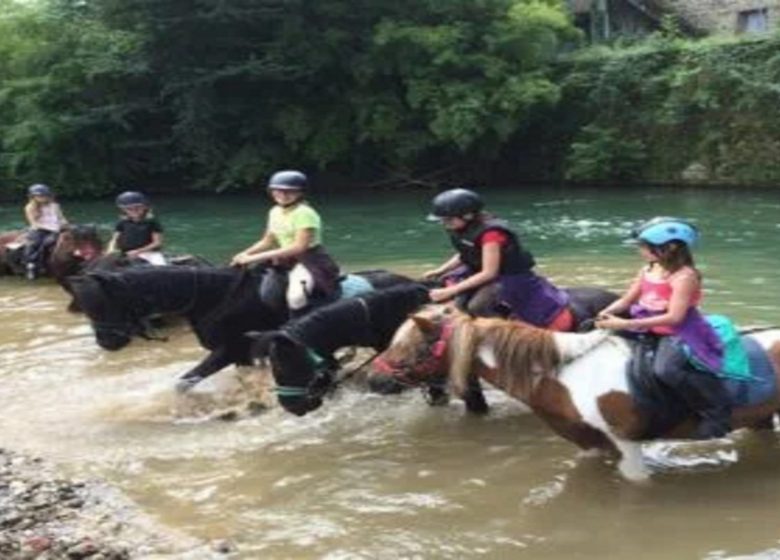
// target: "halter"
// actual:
[[426, 368], [321, 381]]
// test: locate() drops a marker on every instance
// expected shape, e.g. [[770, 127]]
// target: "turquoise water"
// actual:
[[577, 235]]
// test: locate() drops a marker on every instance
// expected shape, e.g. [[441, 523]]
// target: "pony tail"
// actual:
[[462, 350]]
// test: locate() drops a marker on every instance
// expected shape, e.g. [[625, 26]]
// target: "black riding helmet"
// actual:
[[288, 180], [131, 198], [455, 203]]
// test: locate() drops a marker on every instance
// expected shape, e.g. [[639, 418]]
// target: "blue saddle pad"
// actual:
[[762, 386], [353, 286]]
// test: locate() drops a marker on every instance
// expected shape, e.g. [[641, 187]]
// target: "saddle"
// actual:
[[273, 281]]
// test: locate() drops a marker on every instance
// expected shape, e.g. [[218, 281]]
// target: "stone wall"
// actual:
[[723, 16]]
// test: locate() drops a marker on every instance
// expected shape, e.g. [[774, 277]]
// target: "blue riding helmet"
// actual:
[[288, 180], [39, 190], [663, 229], [131, 198]]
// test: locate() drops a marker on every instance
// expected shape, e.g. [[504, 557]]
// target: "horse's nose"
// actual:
[[384, 384], [299, 406], [112, 342]]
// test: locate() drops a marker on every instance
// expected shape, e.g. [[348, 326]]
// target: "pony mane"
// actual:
[[148, 289], [523, 353]]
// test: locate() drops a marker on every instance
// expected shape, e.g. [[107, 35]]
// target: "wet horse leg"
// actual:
[[475, 398], [211, 364], [631, 464]]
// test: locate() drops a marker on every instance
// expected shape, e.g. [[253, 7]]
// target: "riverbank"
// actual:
[[44, 514]]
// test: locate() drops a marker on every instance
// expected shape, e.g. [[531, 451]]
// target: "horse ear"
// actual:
[[424, 324]]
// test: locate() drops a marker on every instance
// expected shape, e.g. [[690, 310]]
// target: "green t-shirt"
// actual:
[[284, 223]]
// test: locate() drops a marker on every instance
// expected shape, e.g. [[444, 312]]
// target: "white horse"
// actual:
[[577, 383]]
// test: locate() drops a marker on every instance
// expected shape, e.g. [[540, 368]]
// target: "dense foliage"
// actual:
[[100, 94], [670, 111]]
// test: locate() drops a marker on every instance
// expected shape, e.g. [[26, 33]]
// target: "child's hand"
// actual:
[[238, 259], [611, 322], [439, 295], [431, 275]]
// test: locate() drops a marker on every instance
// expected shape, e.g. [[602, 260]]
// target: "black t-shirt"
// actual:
[[134, 235]]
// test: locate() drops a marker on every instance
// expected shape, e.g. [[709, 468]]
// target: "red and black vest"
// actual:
[[514, 259]]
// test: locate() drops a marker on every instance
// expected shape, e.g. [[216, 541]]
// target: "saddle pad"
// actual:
[[353, 286], [762, 385]]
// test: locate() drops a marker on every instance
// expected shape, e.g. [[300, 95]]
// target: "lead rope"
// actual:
[[354, 370]]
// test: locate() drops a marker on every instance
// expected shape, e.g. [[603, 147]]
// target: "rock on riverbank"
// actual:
[[45, 515]]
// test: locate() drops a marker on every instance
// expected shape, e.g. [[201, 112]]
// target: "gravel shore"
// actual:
[[45, 515]]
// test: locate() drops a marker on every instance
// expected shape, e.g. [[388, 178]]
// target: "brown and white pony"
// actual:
[[577, 383]]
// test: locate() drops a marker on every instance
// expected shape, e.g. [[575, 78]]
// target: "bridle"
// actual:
[[324, 379], [320, 383], [422, 371]]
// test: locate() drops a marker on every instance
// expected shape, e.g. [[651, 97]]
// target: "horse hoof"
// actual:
[[254, 408], [186, 383]]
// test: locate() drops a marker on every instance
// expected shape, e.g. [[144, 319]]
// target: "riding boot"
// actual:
[[706, 396], [273, 286]]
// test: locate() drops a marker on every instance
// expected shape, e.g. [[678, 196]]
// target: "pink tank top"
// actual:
[[656, 294]]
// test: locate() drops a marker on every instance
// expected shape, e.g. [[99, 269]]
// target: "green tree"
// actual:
[[64, 98]]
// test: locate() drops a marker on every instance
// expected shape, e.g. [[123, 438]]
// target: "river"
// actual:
[[389, 477]]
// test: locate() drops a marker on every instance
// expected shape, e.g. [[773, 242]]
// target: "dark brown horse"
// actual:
[[76, 246], [9, 241], [578, 383]]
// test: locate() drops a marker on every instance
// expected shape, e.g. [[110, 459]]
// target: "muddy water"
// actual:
[[379, 477]]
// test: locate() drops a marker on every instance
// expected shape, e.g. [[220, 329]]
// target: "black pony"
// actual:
[[301, 352], [221, 304]]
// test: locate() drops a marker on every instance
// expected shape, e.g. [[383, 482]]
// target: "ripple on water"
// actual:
[[372, 477]]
